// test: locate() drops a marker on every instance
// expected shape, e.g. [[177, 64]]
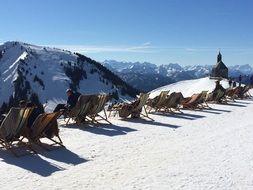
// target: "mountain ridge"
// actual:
[[168, 73], [27, 69]]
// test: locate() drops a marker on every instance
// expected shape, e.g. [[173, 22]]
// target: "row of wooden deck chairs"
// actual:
[[196, 101], [174, 102], [238, 92], [143, 105], [88, 108], [14, 132], [165, 102]]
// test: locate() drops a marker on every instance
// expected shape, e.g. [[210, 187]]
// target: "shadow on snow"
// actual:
[[102, 129], [36, 164]]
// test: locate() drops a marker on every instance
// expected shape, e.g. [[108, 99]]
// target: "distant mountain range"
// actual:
[[148, 76]]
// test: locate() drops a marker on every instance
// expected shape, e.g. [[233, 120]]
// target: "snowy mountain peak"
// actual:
[[245, 69], [174, 66], [27, 69]]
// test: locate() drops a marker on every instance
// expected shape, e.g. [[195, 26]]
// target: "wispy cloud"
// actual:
[[147, 47], [212, 49], [143, 48], [196, 50]]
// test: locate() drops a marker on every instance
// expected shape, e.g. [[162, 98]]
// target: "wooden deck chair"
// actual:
[[220, 97], [239, 92], [138, 106], [166, 106], [158, 102], [43, 127], [193, 102], [79, 112], [178, 101], [12, 127], [216, 97], [72, 113], [246, 92], [202, 100], [143, 98], [23, 123], [97, 104], [173, 102], [230, 93]]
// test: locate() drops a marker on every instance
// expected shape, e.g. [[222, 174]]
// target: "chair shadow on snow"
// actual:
[[36, 164], [102, 129], [218, 110], [149, 122], [235, 105], [187, 116], [215, 110], [242, 102], [64, 155], [209, 111]]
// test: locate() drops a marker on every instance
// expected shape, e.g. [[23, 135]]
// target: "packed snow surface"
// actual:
[[208, 149], [189, 87]]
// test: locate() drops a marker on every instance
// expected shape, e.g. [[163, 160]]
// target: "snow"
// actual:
[[189, 87], [208, 149]]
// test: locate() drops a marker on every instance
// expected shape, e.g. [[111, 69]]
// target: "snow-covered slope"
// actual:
[[189, 87], [203, 149], [26, 69]]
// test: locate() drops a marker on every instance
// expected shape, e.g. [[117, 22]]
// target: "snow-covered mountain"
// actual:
[[28, 69], [133, 67], [167, 73], [171, 69], [166, 70], [147, 76], [240, 70]]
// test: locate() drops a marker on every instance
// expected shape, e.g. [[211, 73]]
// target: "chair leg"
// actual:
[[106, 119], [105, 114], [68, 120], [146, 114], [110, 113], [56, 142], [150, 109]]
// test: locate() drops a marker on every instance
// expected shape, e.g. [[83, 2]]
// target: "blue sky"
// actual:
[[157, 31]]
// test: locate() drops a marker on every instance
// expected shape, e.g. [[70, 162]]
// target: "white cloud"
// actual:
[[143, 48], [147, 43]]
